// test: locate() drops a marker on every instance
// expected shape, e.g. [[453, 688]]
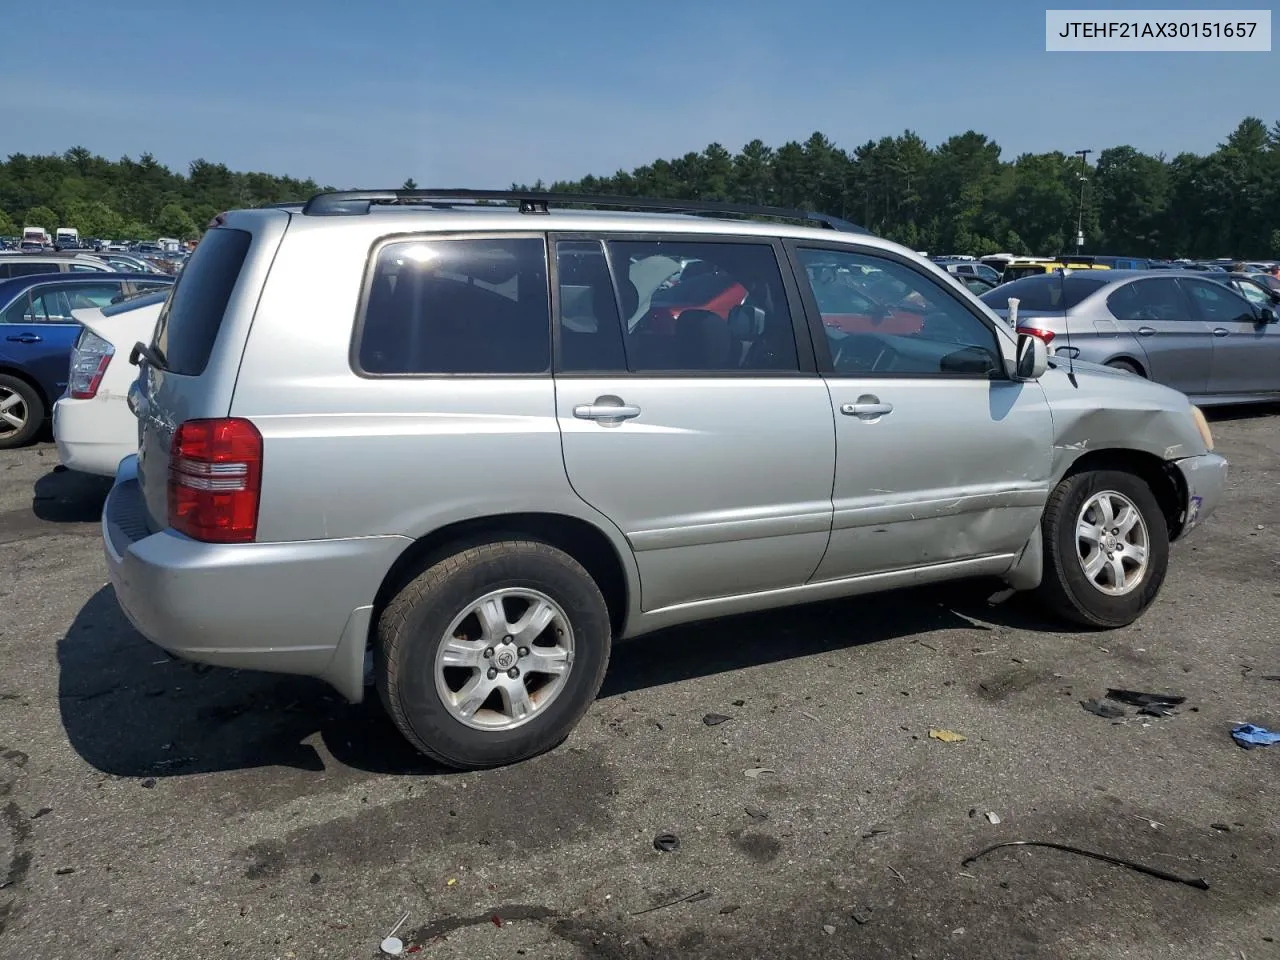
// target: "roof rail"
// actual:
[[359, 202]]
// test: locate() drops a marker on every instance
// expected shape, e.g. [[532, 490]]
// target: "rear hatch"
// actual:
[[189, 367]]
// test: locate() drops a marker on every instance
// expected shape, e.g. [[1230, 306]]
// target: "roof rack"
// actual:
[[348, 203]]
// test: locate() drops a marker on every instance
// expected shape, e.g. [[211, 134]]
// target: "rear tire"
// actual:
[[1093, 575], [21, 401], [1126, 366], [447, 643]]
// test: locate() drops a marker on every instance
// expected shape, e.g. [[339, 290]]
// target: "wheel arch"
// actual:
[[1136, 363], [18, 373], [1164, 480], [582, 540]]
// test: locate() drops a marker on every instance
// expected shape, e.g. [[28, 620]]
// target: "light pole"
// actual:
[[1082, 154]]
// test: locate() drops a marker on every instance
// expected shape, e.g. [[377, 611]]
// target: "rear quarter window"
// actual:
[[189, 323], [456, 306]]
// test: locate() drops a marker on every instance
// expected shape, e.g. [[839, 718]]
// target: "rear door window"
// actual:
[[189, 323], [465, 306], [1154, 300]]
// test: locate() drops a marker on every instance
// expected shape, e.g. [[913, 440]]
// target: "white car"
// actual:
[[92, 423]]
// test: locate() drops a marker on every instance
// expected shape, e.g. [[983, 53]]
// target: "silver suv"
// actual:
[[464, 447]]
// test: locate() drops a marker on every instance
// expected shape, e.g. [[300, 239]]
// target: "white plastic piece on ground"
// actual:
[[393, 946], [993, 818]]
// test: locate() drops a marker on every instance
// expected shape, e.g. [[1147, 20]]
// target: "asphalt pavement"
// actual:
[[150, 808]]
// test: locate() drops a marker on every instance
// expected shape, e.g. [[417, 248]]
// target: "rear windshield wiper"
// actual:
[[149, 354]]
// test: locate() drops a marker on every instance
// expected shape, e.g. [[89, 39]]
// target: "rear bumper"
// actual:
[[1206, 481], [297, 607], [93, 436]]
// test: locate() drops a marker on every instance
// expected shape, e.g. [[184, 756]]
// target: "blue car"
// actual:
[[37, 332]]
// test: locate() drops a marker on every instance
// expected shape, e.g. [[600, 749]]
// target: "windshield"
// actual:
[[1048, 293]]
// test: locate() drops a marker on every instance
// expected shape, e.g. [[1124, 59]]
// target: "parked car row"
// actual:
[[491, 444], [38, 329], [1214, 337]]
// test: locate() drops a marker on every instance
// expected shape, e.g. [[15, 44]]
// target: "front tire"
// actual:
[[493, 655], [1106, 548], [21, 412]]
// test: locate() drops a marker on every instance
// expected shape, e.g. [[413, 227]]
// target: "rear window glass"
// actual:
[[1049, 292], [189, 322], [457, 306], [126, 304]]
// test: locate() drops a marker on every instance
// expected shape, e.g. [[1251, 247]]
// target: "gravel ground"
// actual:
[[150, 808]]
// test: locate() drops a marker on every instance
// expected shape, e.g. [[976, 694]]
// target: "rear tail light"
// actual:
[[89, 361], [215, 480], [1045, 335]]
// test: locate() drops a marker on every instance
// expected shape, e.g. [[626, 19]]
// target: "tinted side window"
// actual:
[[31, 269], [457, 306], [590, 327], [1218, 303], [192, 316], [1048, 293], [700, 306], [1154, 300], [881, 316]]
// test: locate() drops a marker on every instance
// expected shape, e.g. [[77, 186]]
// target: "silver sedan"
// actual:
[[1175, 327]]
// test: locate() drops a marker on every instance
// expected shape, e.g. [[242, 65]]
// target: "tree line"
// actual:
[[127, 198], [959, 196]]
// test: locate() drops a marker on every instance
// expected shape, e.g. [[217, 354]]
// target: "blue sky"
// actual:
[[368, 94]]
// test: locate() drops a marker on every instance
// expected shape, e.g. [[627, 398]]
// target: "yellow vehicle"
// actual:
[[1031, 266]]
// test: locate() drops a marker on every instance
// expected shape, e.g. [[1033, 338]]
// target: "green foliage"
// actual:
[[959, 196], [41, 217], [7, 227], [131, 199]]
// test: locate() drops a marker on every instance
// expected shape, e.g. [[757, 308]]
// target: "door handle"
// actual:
[[1146, 331], [1221, 332], [25, 338], [867, 408], [608, 410]]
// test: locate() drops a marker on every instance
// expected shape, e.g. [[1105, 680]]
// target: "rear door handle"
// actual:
[[25, 338], [1147, 331], [1221, 332], [606, 410], [867, 408]]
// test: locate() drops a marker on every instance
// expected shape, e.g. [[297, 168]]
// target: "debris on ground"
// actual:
[[391, 944], [1197, 882], [1224, 827], [1153, 824], [755, 813], [1250, 736], [755, 772], [808, 716], [739, 703], [149, 783], [1102, 709], [666, 842], [64, 871], [861, 917], [715, 719], [315, 878], [691, 898], [828, 929], [1138, 698], [993, 818], [729, 908], [874, 832], [947, 736], [41, 812]]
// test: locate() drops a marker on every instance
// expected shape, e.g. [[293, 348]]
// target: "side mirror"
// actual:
[[1267, 315], [1033, 357]]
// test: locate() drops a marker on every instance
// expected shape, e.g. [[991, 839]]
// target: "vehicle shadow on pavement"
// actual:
[[733, 643], [130, 710], [1244, 411], [65, 496]]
